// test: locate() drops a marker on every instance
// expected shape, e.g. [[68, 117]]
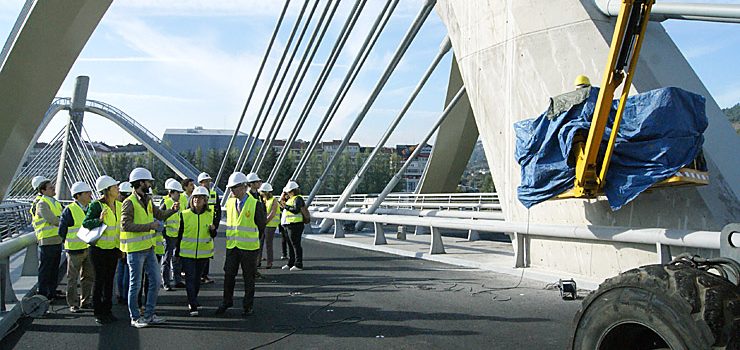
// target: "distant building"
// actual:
[[413, 173], [189, 140], [330, 147], [296, 149]]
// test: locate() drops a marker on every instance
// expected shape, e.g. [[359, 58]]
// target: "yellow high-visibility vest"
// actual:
[[72, 242], [138, 241], [112, 234], [290, 217], [196, 241], [44, 230], [241, 230], [275, 222], [172, 224]]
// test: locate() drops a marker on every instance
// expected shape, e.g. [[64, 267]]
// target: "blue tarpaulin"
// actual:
[[661, 132]]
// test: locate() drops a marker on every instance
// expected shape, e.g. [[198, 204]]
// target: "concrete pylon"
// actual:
[[513, 55], [454, 144], [74, 126], [29, 78]]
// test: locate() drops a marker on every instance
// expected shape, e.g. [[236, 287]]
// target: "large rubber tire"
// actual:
[[660, 306]]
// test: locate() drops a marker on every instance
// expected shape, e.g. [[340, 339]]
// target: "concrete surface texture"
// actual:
[[346, 298], [513, 55]]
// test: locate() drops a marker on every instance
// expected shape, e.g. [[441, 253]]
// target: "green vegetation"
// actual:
[[733, 115]]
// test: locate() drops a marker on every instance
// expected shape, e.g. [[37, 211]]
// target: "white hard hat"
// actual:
[[173, 185], [266, 187], [200, 191], [236, 178], [140, 174], [37, 181], [253, 177], [104, 182], [291, 185], [79, 187], [203, 176], [126, 187]]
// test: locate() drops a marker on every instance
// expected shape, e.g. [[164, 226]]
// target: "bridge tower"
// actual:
[[74, 127]]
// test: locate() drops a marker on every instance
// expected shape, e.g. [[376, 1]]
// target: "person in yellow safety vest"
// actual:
[[254, 182], [243, 217], [195, 236], [205, 180], [45, 211], [79, 265], [137, 241], [294, 215], [171, 268], [104, 252], [124, 190], [272, 208]]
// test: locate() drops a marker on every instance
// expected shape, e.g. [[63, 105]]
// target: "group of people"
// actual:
[[153, 247]]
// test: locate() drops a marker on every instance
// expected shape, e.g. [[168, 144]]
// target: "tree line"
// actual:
[[382, 168]]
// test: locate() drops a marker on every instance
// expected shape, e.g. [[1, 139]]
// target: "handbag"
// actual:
[[90, 236]]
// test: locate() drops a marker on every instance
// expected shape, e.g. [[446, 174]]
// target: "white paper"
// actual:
[[90, 236]]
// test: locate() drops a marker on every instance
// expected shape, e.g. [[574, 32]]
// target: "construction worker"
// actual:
[[205, 180], [295, 214], [104, 252], [254, 182], [124, 190], [79, 265], [188, 186], [171, 268], [582, 81], [243, 217], [45, 211], [137, 241], [195, 236], [272, 208]]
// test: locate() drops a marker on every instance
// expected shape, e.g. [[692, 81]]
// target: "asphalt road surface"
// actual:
[[345, 298]]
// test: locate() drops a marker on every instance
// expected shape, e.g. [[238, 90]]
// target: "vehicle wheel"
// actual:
[[659, 307]]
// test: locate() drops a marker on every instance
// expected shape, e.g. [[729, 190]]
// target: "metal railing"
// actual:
[[439, 201], [14, 219]]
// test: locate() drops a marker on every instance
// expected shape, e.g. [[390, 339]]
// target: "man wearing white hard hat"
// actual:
[[104, 252], [214, 203], [79, 264], [171, 268], [45, 211], [137, 241], [243, 218], [254, 183], [294, 216], [272, 208]]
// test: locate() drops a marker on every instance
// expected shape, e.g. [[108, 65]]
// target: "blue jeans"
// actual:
[[140, 263], [171, 267], [122, 278]]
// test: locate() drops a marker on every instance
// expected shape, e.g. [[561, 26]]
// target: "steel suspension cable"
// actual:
[[408, 38], [41, 161], [370, 40], [352, 186], [252, 137], [251, 92], [323, 77], [295, 85]]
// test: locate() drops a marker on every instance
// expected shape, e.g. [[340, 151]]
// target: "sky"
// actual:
[[187, 63]]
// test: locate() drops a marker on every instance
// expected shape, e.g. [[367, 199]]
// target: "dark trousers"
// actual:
[[295, 254], [193, 270], [247, 259], [50, 256], [283, 240], [206, 268], [104, 262]]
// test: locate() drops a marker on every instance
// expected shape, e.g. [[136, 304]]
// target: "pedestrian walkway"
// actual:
[[345, 298], [495, 256]]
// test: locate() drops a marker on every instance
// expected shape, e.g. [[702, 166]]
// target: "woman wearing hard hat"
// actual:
[[79, 264], [214, 203], [195, 236], [170, 263], [45, 211], [272, 208], [104, 252], [294, 214]]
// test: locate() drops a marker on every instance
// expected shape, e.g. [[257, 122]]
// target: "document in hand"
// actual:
[[92, 235]]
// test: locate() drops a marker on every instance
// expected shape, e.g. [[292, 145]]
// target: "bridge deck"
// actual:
[[386, 301]]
